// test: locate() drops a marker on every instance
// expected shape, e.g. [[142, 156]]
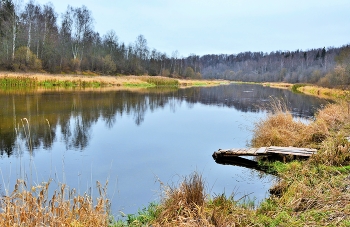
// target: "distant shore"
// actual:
[[311, 89], [43, 79]]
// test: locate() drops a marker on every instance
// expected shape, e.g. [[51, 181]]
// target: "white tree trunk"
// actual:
[[29, 40]]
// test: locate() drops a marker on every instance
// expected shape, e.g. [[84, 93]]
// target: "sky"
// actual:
[[221, 26]]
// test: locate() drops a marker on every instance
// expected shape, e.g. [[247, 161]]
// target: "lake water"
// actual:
[[136, 139]]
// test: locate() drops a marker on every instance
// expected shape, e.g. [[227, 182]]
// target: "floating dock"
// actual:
[[264, 151]]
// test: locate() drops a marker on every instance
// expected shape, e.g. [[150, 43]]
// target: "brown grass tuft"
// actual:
[[189, 205], [279, 128], [184, 204], [329, 132]]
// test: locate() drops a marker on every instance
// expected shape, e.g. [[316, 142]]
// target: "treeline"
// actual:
[[327, 67], [33, 39]]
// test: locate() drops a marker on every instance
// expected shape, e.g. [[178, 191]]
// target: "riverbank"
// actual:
[[313, 192], [314, 90], [297, 196], [58, 80]]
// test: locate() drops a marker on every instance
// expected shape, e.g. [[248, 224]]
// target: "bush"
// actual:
[[26, 60]]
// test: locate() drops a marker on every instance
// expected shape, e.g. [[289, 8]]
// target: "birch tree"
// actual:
[[77, 26], [28, 18], [9, 24]]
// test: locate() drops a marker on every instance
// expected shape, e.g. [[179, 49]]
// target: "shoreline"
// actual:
[[311, 89], [71, 80]]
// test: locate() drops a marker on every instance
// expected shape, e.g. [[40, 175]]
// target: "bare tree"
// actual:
[[78, 24], [9, 21]]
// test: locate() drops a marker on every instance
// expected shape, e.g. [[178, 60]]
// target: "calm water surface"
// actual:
[[136, 140]]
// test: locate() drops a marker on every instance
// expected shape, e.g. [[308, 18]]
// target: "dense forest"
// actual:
[[34, 37]]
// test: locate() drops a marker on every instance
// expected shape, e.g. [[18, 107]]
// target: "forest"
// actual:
[[34, 37]]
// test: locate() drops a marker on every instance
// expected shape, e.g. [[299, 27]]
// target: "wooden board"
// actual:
[[297, 151]]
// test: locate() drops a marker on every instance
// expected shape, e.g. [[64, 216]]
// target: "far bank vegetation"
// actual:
[[34, 38]]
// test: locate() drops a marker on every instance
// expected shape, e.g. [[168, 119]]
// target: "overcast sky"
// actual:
[[221, 26]]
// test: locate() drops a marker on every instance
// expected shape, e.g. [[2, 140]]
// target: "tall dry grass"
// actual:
[[189, 205], [183, 204], [280, 128], [33, 207], [328, 132]]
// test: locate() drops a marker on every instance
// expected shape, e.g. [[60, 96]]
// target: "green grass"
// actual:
[[141, 85], [7, 82], [161, 81], [143, 217], [68, 84], [199, 84], [295, 87]]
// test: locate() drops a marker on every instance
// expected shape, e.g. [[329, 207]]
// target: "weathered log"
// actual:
[[264, 151]]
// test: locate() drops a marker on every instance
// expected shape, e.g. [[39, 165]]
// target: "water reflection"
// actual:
[[74, 112], [135, 137]]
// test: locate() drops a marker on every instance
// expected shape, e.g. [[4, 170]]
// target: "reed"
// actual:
[[37, 205], [33, 207]]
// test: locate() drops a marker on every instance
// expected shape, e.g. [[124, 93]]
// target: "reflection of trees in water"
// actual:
[[7, 143], [73, 113], [81, 134]]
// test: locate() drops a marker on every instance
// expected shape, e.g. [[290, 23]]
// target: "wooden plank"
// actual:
[[292, 151], [239, 152], [264, 151], [261, 150]]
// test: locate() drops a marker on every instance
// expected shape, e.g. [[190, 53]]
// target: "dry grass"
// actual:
[[189, 205], [278, 85], [323, 92], [328, 133], [112, 81], [41, 78], [183, 205], [189, 83], [309, 195], [33, 207], [280, 128]]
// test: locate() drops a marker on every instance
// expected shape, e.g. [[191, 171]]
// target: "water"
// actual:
[[136, 139]]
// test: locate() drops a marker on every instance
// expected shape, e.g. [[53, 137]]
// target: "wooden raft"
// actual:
[[264, 151]]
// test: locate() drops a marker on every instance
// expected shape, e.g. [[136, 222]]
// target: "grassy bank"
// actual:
[[313, 192], [278, 85], [324, 92], [309, 89], [15, 81]]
